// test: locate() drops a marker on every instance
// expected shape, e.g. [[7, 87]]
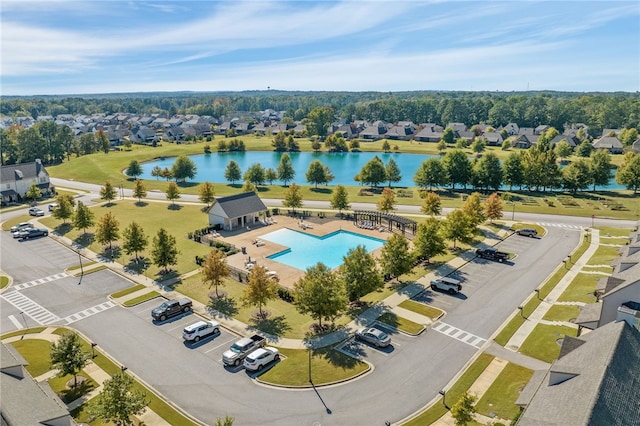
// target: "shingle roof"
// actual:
[[595, 383], [20, 171], [241, 204]]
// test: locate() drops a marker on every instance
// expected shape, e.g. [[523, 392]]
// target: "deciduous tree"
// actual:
[[339, 199], [270, 175], [134, 170], [316, 173], [373, 172], [430, 173], [493, 207], [318, 120], [139, 190], [232, 173], [360, 273], [286, 172], [577, 176], [103, 141], [164, 252], [65, 207], [117, 401], [207, 193], [156, 172], [629, 172], [184, 168], [600, 168], [474, 210], [396, 258], [563, 149], [67, 355], [83, 217], [33, 193], [107, 230], [292, 197], [172, 192], [457, 166], [513, 170], [215, 269], [320, 293], [392, 172], [254, 174], [135, 239], [260, 289], [457, 227], [108, 192], [432, 204], [387, 200], [463, 411], [428, 241]]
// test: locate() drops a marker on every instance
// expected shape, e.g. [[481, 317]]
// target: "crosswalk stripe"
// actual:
[[458, 334], [39, 281], [93, 310], [559, 225], [36, 312]]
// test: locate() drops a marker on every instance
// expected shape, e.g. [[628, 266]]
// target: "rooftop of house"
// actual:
[[239, 204]]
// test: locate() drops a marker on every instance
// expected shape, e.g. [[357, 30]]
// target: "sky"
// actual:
[[82, 47]]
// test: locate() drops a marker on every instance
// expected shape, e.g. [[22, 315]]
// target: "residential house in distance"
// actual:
[[23, 401], [376, 131], [430, 133], [17, 179], [594, 381], [610, 143], [404, 130], [236, 211]]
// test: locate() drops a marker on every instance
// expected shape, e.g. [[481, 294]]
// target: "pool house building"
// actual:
[[236, 211]]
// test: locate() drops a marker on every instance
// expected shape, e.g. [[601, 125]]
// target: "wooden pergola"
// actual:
[[374, 220]]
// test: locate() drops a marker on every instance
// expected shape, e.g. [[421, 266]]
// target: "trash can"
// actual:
[[244, 250]]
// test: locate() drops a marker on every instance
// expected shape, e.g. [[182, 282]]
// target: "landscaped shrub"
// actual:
[[285, 294]]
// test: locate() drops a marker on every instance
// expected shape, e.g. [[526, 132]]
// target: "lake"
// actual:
[[343, 165]]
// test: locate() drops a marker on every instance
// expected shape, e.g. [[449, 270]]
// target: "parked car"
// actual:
[[199, 330], [33, 233], [52, 206], [492, 254], [21, 225], [35, 211], [374, 336], [257, 359], [450, 285], [527, 232], [171, 308], [241, 348]]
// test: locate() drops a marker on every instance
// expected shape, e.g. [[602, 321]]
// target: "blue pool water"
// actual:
[[305, 250]]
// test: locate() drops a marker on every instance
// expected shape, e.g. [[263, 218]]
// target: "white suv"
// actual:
[[257, 359], [200, 329]]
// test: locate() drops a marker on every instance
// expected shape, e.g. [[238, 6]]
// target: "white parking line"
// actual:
[[15, 322], [221, 344]]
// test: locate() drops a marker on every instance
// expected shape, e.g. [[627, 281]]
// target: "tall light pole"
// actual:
[[513, 210], [25, 324], [81, 269]]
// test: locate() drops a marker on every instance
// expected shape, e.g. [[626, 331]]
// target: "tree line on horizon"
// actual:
[[528, 109]]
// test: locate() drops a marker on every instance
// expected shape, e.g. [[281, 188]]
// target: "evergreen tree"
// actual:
[[134, 170], [392, 172], [164, 252]]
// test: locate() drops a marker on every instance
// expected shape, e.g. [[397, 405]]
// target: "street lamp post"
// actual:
[[93, 354], [444, 398], [81, 269], [25, 324], [310, 381], [513, 211], [521, 309]]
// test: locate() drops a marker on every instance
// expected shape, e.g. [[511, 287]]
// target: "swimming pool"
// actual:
[[306, 250]]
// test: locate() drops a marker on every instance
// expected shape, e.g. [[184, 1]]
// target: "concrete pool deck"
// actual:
[[258, 252]]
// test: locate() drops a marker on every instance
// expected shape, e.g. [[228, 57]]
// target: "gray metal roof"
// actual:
[[595, 383]]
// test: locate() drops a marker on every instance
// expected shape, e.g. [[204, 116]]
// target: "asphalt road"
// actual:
[[404, 377]]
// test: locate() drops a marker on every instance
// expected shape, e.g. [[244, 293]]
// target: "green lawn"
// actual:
[[151, 217], [604, 255], [581, 289], [33, 330], [609, 231], [465, 381], [142, 298], [400, 323], [126, 291], [327, 366], [501, 396], [421, 308], [59, 386], [36, 352], [562, 313], [543, 342], [76, 268], [4, 281]]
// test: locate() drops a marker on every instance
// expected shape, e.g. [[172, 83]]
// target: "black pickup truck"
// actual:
[[171, 308], [492, 254]]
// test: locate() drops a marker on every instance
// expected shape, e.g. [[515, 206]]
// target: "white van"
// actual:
[[450, 285]]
